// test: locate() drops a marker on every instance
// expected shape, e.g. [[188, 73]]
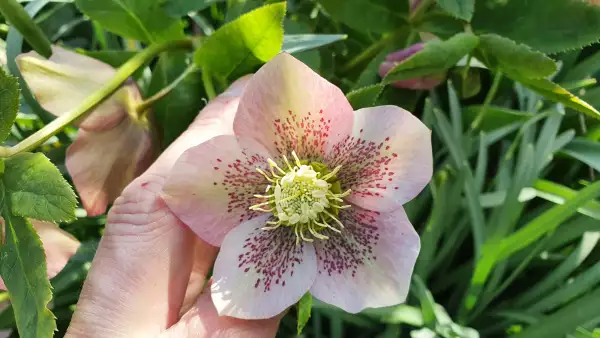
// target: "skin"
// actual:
[[149, 273]]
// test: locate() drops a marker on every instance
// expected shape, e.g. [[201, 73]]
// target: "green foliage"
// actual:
[[142, 20], [506, 55], [585, 151], [248, 41], [296, 43], [177, 110], [364, 97], [436, 57], [9, 103], [556, 93], [18, 17], [377, 16], [36, 189], [23, 270], [550, 26], [508, 224], [304, 308], [462, 9], [178, 8]]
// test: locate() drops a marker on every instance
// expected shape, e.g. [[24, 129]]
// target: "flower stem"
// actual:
[[142, 107], [420, 10], [96, 98], [488, 99], [368, 53], [208, 85]]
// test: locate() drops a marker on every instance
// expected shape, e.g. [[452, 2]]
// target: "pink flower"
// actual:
[[304, 195], [393, 59], [58, 244], [114, 145]]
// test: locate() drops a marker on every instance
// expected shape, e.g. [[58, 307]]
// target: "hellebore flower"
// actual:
[[305, 195], [58, 244], [392, 59], [113, 145]]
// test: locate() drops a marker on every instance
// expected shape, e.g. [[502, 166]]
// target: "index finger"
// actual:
[[139, 275]]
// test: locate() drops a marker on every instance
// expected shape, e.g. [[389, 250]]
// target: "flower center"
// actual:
[[305, 197]]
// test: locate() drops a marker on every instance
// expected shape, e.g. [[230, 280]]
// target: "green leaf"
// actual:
[[556, 93], [462, 9], [179, 8], [546, 222], [250, 40], [495, 117], [37, 190], [440, 24], [585, 151], [435, 58], [549, 26], [142, 20], [23, 270], [176, 111], [426, 300], [565, 320], [14, 13], [9, 103], [584, 69], [559, 275], [304, 307], [377, 16], [364, 97], [504, 54], [295, 43]]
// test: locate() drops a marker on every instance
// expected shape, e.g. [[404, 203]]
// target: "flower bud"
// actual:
[[393, 59]]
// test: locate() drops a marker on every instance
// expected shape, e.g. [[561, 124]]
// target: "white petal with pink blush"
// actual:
[[320, 195]]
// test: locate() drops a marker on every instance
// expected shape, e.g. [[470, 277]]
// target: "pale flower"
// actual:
[[305, 195], [113, 145]]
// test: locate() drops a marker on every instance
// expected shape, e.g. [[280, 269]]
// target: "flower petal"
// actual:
[[212, 185], [388, 159], [287, 106], [370, 264], [103, 163], [58, 244], [260, 273], [63, 81]]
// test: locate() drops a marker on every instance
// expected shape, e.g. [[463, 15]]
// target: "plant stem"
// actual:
[[96, 98], [368, 53], [208, 85], [488, 99], [420, 10], [142, 107]]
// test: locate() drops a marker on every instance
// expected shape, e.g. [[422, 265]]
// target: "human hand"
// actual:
[[149, 270]]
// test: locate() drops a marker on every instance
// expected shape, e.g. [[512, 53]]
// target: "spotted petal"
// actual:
[[370, 264], [63, 81], [58, 244], [287, 106], [387, 160], [103, 163], [260, 273], [213, 184]]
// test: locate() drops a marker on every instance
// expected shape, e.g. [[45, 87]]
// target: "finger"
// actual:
[[202, 320], [140, 273], [198, 274]]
